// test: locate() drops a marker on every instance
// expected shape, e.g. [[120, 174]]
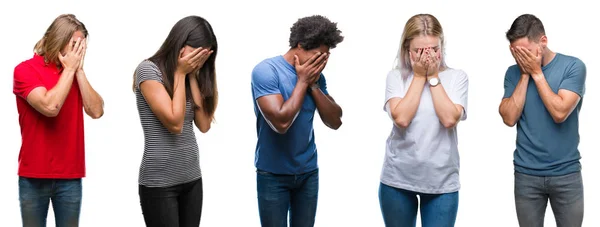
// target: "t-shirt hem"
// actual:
[[307, 170], [53, 176], [171, 184], [421, 190], [545, 173]]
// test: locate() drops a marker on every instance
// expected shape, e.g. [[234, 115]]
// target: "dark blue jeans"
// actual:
[[564, 192], [399, 208], [280, 194], [176, 206], [35, 196]]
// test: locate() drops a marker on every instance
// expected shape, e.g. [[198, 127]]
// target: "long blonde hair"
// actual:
[[417, 25], [57, 36]]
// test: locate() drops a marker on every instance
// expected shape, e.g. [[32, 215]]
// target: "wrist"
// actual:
[[420, 79], [537, 76]]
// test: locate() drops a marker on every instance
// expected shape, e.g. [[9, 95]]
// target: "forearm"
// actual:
[[329, 110], [511, 108], [92, 101], [55, 97], [178, 103], [446, 110], [403, 112], [553, 102], [201, 118], [291, 107]]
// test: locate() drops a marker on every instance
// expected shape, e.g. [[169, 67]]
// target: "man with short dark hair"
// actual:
[[287, 90], [543, 95]]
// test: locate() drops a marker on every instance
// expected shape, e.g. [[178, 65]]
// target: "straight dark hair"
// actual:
[[193, 31]]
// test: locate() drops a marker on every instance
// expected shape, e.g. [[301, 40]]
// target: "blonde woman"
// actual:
[[425, 99]]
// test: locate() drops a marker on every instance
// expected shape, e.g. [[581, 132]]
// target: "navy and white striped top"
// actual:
[[169, 159]]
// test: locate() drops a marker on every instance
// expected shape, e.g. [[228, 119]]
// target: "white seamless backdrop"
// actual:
[[123, 33]]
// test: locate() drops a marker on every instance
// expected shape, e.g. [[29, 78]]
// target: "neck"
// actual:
[[289, 56], [547, 57]]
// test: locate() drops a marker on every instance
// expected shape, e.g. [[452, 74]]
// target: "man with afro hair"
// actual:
[[287, 90]]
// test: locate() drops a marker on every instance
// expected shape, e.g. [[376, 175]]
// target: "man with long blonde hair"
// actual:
[[52, 92]]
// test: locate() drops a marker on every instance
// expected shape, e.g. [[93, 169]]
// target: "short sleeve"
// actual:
[[25, 80], [264, 81], [575, 79], [509, 84], [460, 92], [323, 84], [394, 86], [147, 70]]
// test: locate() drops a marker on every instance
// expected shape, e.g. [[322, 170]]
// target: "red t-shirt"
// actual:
[[52, 147]]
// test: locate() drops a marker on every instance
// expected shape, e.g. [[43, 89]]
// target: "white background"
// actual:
[[123, 33]]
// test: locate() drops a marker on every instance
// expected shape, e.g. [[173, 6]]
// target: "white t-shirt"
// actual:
[[424, 157]]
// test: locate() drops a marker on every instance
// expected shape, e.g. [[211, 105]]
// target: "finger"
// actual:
[[319, 60], [70, 45], [313, 58], [193, 55], [321, 67], [80, 46], [199, 55], [419, 53], [181, 52]]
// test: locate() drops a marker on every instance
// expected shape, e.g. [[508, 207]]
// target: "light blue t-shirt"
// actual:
[[295, 151], [545, 148]]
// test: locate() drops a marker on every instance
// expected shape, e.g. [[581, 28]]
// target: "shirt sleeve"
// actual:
[[264, 81], [147, 70], [25, 80], [460, 92], [323, 84], [575, 79], [509, 85], [394, 87]]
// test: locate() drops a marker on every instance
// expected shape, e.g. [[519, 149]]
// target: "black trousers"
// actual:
[[175, 206]]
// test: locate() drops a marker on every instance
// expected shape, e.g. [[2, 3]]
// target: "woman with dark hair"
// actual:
[[173, 88]]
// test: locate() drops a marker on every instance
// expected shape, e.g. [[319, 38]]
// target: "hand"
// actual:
[[311, 70], [531, 63], [84, 44], [192, 61], [513, 51], [432, 62], [72, 57], [418, 62]]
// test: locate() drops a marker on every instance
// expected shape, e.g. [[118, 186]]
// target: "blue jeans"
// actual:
[[278, 194], [399, 208], [564, 192], [35, 196]]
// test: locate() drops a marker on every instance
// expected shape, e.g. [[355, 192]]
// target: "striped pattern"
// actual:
[[169, 159]]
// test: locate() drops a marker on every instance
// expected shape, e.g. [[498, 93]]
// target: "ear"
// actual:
[[544, 41]]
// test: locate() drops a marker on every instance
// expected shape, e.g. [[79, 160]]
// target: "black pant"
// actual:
[[175, 206]]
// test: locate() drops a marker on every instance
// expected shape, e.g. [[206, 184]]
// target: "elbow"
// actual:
[[559, 118], [50, 111], [401, 123], [282, 127], [450, 123], [509, 123], [175, 129], [204, 128], [94, 114], [335, 125]]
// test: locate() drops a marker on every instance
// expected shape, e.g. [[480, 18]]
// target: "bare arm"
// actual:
[[403, 110], [170, 112], [201, 119], [49, 102], [93, 104], [329, 111], [559, 105], [511, 108], [280, 114], [448, 112]]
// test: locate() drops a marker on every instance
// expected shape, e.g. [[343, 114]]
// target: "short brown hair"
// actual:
[[57, 36], [526, 25]]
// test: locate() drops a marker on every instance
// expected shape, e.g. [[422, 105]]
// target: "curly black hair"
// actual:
[[314, 31]]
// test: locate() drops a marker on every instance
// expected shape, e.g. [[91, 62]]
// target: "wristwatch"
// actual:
[[434, 81]]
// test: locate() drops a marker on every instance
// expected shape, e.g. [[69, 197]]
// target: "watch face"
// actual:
[[434, 81]]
